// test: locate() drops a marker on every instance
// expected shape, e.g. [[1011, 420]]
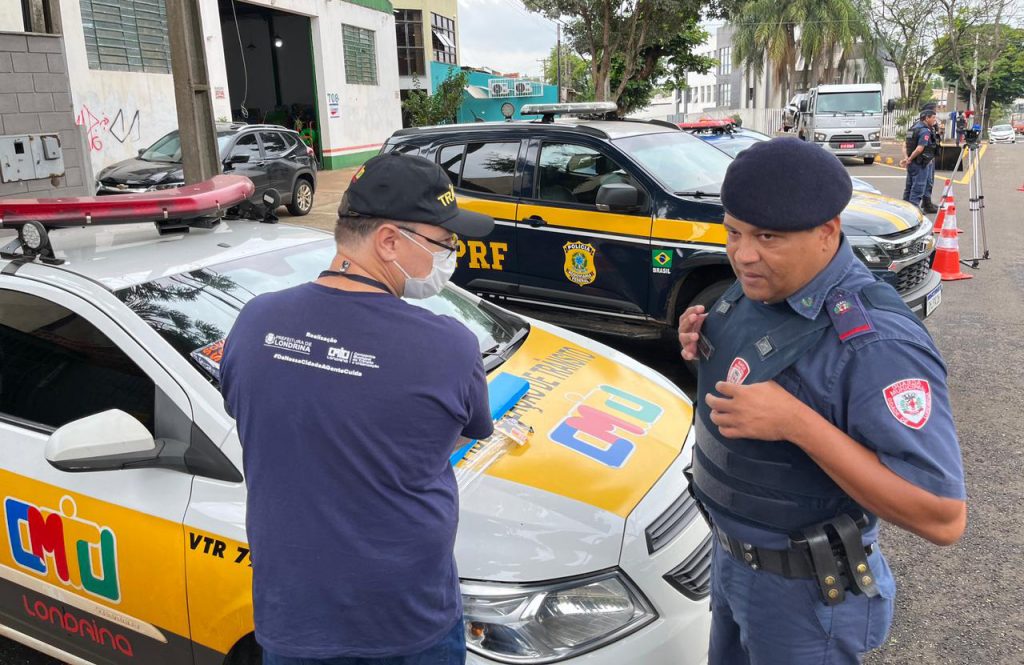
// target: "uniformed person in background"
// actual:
[[919, 150], [822, 407]]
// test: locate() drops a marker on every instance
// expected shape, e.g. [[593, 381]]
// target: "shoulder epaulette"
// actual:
[[849, 316]]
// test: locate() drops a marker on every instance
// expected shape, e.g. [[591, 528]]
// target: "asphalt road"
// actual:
[[960, 604]]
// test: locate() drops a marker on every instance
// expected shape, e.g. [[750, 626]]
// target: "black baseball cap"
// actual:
[[407, 188]]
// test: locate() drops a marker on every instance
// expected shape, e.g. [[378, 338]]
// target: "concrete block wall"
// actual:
[[35, 97]]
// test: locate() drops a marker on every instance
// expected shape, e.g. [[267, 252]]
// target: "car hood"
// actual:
[[141, 172], [1001, 132], [877, 215], [557, 506]]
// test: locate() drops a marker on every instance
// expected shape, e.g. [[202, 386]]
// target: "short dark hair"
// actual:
[[354, 228]]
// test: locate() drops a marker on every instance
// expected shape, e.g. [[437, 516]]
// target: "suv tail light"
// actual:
[[310, 153]]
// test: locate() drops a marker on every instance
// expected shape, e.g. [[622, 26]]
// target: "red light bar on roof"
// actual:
[[210, 198], [706, 124]]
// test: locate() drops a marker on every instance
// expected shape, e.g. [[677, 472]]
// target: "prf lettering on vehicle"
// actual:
[[483, 255], [603, 424], [61, 547]]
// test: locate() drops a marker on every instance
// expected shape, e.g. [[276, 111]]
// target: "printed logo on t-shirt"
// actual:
[[910, 402], [287, 343], [342, 355], [738, 371]]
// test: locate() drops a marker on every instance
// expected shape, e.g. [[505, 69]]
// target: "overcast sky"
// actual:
[[502, 35]]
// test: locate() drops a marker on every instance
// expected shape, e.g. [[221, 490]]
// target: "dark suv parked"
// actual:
[[269, 155]]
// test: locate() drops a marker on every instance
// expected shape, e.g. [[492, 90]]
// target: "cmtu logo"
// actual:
[[61, 546], [604, 424]]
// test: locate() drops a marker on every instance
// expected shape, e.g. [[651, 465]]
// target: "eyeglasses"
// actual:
[[454, 239]]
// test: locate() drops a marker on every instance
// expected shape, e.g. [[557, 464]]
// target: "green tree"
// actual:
[[442, 107], [576, 84], [766, 30], [975, 41], [905, 37], [998, 85], [637, 31]]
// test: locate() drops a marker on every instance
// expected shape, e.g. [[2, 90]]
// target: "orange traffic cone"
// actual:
[[947, 251], [947, 200]]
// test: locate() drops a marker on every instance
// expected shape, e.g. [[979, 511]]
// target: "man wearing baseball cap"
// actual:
[[349, 401]]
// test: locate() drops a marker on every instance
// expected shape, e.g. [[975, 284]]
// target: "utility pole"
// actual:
[[974, 78], [558, 62], [199, 155]]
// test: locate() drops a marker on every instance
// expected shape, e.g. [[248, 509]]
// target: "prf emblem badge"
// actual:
[[579, 263]]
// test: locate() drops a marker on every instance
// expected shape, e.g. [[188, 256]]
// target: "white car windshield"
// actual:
[[195, 309], [849, 102], [1002, 128]]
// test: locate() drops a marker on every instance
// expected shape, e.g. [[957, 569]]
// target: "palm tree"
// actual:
[[776, 32]]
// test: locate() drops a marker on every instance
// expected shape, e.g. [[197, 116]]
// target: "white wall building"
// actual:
[[328, 64]]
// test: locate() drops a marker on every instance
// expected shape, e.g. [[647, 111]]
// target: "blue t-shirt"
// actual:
[[348, 405]]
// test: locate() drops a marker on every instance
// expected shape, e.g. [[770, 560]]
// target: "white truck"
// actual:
[[844, 119]]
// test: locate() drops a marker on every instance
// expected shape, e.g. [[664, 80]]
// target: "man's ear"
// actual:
[[385, 241], [831, 231]]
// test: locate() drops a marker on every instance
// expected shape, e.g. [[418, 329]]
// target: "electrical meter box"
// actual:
[[30, 157]]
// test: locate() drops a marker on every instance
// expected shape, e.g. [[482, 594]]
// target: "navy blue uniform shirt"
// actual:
[[348, 406], [884, 385]]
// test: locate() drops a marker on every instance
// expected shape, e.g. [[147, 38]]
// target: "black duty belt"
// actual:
[[830, 553]]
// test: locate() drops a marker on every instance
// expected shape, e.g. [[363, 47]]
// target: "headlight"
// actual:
[[870, 252], [552, 622], [166, 185], [873, 136], [819, 137]]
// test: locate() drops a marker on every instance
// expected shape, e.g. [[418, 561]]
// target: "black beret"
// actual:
[[785, 184], [927, 113]]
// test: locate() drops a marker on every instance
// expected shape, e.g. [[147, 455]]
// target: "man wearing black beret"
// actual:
[[822, 407]]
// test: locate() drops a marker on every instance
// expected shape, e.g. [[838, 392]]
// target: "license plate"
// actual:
[[933, 300], [847, 146]]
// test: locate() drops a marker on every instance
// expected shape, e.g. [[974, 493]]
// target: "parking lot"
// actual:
[[957, 604]]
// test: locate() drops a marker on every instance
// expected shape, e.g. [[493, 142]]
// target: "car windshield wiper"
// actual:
[[498, 353], [699, 194]]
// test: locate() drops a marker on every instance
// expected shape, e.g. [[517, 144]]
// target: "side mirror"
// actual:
[[236, 159], [101, 442], [142, 151], [617, 196], [890, 105], [803, 106]]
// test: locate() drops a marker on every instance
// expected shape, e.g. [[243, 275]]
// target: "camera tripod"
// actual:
[[972, 168]]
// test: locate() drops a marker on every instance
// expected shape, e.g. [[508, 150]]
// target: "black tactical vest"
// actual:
[[769, 485], [913, 136]]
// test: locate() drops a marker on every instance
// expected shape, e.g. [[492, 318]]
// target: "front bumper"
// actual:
[[869, 149], [680, 633], [918, 298], [1002, 139]]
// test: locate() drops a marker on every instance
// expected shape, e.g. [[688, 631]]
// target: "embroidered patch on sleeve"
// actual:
[[910, 402], [738, 371]]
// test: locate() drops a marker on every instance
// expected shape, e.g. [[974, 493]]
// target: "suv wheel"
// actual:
[[869, 160], [302, 198]]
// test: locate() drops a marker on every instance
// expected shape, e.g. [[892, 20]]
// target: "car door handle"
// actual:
[[535, 221]]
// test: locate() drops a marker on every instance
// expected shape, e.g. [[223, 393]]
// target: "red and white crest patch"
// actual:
[[910, 402], [738, 371]]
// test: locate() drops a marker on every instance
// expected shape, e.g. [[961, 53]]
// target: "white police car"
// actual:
[[123, 502]]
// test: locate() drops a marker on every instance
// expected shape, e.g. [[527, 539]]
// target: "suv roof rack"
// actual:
[[172, 211], [652, 121]]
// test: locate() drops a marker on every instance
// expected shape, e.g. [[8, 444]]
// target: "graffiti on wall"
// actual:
[[100, 127]]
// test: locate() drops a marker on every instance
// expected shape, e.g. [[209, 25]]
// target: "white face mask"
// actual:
[[440, 272]]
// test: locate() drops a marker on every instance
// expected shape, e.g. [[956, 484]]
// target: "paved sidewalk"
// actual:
[[330, 185]]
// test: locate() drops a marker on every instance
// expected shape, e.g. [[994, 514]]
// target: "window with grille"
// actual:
[[126, 35], [360, 55], [443, 38], [409, 29], [725, 60]]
